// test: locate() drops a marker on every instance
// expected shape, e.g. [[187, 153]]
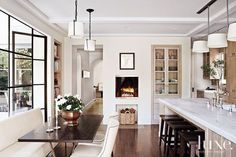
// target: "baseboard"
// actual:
[[89, 104]]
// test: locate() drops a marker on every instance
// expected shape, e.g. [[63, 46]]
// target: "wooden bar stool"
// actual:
[[189, 143], [176, 127], [164, 119]]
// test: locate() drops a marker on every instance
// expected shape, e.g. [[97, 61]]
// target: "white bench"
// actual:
[[13, 128]]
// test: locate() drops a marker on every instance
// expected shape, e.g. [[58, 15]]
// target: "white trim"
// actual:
[[138, 35], [34, 10], [131, 20]]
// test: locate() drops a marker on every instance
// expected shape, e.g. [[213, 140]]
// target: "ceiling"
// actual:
[[135, 17]]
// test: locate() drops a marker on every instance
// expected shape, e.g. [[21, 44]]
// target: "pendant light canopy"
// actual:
[[76, 28], [89, 44], [232, 32], [200, 46]]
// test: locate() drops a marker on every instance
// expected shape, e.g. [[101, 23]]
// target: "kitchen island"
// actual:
[[219, 124]]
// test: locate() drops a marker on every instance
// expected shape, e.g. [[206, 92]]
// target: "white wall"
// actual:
[[112, 46], [198, 82], [87, 62], [98, 73]]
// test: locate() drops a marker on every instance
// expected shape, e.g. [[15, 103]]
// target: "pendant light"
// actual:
[[89, 44], [76, 28], [216, 40], [232, 27], [200, 46]]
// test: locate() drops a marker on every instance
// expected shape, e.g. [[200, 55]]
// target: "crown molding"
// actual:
[[138, 35], [130, 20], [35, 11], [216, 18]]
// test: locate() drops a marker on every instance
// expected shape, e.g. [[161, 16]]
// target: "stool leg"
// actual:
[[192, 150], [165, 137], [175, 142], [182, 147], [201, 150], [169, 140], [161, 131]]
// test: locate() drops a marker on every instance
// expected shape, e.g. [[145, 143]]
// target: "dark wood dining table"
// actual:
[[83, 133]]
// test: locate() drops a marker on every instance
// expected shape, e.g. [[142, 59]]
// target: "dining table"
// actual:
[[84, 132]]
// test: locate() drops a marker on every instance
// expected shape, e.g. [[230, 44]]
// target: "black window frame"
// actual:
[[11, 68]]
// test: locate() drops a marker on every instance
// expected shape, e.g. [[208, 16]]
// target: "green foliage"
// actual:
[[218, 67], [70, 103], [3, 82]]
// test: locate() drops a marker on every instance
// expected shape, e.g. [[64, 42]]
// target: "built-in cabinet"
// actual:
[[166, 75], [166, 71], [57, 69]]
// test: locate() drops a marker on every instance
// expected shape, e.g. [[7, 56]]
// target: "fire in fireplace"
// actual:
[[126, 86]]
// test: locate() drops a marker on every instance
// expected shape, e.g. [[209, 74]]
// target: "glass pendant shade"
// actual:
[[200, 46], [76, 29], [217, 40], [232, 32], [89, 45]]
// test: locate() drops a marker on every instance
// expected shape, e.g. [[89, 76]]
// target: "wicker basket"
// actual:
[[127, 118]]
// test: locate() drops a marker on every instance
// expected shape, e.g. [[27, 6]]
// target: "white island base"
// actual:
[[219, 124]]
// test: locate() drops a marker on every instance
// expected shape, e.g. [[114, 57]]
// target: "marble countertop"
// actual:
[[218, 120]]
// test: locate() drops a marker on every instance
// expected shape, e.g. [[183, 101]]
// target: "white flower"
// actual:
[[68, 107], [77, 96], [59, 97], [61, 101]]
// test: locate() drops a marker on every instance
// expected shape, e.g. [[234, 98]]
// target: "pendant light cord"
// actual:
[[208, 20], [227, 6], [89, 25], [76, 11]]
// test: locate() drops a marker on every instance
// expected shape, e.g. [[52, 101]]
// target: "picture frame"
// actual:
[[127, 61]]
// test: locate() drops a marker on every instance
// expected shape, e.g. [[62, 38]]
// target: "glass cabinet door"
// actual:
[[166, 63], [160, 68]]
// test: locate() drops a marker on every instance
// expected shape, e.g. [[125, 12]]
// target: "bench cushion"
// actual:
[[26, 149], [18, 125]]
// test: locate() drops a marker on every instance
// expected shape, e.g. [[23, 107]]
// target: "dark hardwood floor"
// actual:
[[133, 141]]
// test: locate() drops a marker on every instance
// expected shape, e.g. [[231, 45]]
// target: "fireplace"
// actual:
[[126, 86]]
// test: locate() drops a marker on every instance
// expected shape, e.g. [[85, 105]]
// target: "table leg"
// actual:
[[53, 152]]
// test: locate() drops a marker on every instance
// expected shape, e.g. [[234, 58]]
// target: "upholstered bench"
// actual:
[[17, 126]]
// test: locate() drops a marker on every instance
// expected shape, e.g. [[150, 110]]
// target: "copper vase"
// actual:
[[71, 117]]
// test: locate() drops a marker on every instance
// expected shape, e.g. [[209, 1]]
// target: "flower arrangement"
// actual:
[[69, 103]]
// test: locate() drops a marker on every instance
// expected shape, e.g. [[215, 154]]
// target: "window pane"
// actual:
[[3, 31], [3, 71], [38, 72], [39, 100], [23, 72], [4, 104], [23, 44], [38, 48], [22, 99], [17, 26]]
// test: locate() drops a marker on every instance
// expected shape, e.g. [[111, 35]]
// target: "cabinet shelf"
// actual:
[[167, 71]]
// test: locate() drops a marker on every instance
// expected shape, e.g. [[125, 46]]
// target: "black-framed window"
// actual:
[[23, 62]]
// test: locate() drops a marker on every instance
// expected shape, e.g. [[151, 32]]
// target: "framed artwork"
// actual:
[[127, 61]]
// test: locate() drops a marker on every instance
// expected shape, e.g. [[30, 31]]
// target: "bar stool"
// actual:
[[164, 119], [176, 127], [189, 142]]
